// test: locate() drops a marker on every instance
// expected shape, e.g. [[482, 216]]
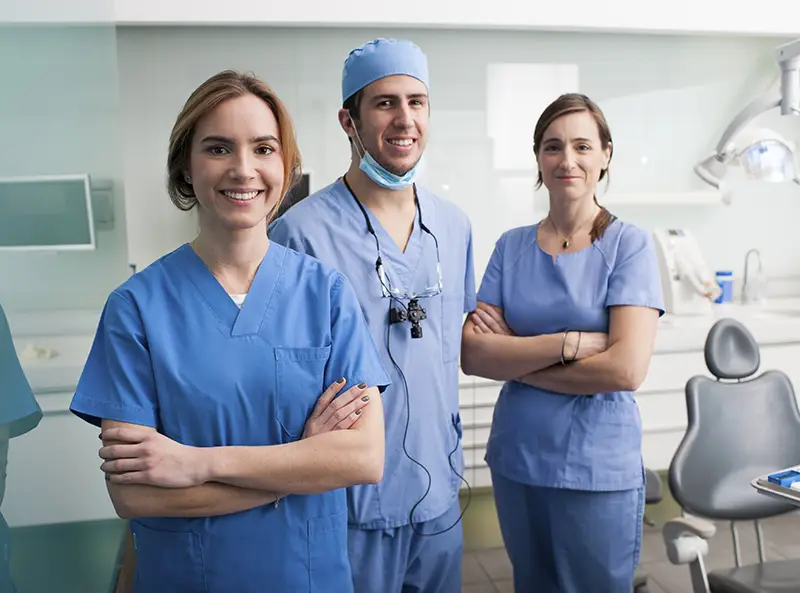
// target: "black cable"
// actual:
[[393, 299]]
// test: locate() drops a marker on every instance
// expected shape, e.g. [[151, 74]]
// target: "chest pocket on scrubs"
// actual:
[[452, 320], [300, 382], [168, 560]]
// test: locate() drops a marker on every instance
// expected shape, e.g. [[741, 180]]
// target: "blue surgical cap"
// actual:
[[381, 58]]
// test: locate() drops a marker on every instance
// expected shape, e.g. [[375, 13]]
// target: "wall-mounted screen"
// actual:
[[46, 213]]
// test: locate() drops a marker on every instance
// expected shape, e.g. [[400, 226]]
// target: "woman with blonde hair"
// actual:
[[207, 367]]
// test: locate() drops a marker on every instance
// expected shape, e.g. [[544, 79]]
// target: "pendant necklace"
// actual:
[[566, 241]]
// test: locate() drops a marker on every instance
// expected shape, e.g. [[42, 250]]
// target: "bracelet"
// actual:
[[563, 343], [577, 348]]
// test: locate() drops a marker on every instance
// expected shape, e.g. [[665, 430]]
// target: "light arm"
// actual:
[[622, 367], [506, 357], [317, 464], [132, 501]]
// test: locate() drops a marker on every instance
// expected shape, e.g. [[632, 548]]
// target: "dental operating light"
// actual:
[[762, 154]]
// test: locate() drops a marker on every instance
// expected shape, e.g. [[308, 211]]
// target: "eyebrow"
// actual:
[[573, 140], [389, 96], [225, 140]]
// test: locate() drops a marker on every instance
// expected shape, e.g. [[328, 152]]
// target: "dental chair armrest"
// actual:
[[686, 539], [675, 528]]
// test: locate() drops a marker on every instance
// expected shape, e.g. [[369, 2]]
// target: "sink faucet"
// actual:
[[751, 293]]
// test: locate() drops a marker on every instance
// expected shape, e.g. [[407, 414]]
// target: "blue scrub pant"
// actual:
[[569, 541], [399, 560]]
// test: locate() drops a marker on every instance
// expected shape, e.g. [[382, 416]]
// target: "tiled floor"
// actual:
[[489, 571]]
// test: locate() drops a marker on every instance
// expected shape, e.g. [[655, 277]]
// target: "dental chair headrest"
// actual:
[[731, 352]]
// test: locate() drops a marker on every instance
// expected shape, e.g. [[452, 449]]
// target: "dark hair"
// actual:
[[576, 103], [221, 87]]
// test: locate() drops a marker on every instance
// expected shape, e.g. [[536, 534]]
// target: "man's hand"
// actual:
[[141, 456]]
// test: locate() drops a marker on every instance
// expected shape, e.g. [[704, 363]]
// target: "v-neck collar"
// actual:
[[248, 319], [404, 264]]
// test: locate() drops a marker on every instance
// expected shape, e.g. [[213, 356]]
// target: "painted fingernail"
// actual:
[[362, 385], [340, 380], [358, 412], [365, 398]]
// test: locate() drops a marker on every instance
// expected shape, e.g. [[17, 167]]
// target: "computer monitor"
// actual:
[[301, 190], [46, 213]]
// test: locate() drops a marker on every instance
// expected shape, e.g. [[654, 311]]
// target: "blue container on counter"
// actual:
[[725, 281]]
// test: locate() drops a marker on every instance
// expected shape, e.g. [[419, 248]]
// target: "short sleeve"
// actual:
[[470, 301], [353, 352], [491, 290], [282, 233], [635, 279], [19, 411], [117, 382]]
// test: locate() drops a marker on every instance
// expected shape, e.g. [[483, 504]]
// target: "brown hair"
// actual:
[[576, 103], [221, 87]]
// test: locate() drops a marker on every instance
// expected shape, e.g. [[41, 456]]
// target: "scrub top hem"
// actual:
[[395, 523], [529, 479]]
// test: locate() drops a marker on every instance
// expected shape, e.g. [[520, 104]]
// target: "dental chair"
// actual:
[[739, 426]]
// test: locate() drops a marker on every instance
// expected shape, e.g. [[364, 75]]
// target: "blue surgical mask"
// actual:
[[380, 175]]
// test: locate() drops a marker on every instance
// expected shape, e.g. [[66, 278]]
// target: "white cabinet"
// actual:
[[54, 471], [661, 400]]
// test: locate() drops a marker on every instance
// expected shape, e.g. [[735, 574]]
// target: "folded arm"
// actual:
[[132, 501], [312, 465], [497, 354], [334, 453], [621, 367]]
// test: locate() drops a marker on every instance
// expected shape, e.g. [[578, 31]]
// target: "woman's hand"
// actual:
[[141, 455], [487, 319], [580, 345], [336, 414]]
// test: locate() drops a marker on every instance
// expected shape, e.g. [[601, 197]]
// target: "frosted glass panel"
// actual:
[[517, 95], [46, 213]]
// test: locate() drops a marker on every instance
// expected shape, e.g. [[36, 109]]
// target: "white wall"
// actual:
[[59, 114], [667, 99]]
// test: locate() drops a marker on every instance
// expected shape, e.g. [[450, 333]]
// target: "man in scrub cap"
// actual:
[[409, 255]]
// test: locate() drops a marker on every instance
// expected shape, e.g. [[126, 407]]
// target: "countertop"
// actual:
[[53, 361]]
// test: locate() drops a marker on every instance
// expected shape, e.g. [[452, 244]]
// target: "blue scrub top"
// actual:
[[551, 439], [173, 351], [19, 413], [19, 410], [330, 226]]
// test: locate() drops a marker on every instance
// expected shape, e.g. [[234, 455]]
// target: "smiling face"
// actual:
[[236, 164], [392, 122], [572, 157]]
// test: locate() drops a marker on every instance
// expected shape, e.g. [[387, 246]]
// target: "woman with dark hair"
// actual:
[[567, 315]]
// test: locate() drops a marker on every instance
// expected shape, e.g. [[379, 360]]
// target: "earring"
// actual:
[[188, 179]]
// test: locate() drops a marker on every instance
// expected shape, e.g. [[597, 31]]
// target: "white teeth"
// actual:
[[401, 142], [242, 197]]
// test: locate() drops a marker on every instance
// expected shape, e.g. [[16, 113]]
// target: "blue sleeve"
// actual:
[[19, 410], [353, 353], [491, 290], [117, 382], [635, 279], [470, 300], [282, 233]]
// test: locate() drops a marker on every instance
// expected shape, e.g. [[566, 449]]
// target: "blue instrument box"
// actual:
[[785, 478]]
